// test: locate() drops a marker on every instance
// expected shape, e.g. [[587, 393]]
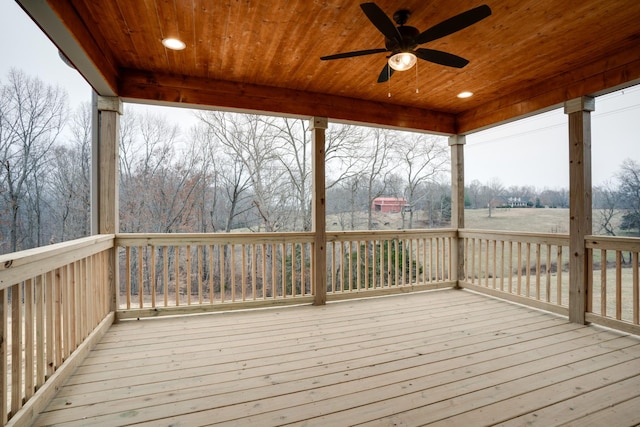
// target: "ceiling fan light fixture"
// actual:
[[402, 61], [173, 44], [465, 94]]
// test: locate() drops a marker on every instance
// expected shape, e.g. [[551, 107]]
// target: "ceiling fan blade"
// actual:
[[381, 21], [454, 24], [352, 54], [385, 74], [442, 58]]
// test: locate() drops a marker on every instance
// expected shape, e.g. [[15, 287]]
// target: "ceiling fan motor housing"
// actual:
[[408, 40]]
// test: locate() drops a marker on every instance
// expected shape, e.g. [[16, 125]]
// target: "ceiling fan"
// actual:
[[403, 41]]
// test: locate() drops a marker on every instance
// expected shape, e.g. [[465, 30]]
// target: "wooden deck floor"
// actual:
[[436, 358]]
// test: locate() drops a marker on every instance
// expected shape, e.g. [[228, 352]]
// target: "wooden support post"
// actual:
[[105, 180], [579, 112], [318, 125], [456, 142]]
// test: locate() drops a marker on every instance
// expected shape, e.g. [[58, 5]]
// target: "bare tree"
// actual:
[[70, 180], [629, 189], [255, 141], [375, 168], [159, 177], [606, 199], [420, 158], [492, 191], [32, 116]]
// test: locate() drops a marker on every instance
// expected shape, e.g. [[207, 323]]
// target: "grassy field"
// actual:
[[533, 220]]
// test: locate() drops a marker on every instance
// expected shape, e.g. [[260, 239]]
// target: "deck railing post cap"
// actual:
[[319, 123]]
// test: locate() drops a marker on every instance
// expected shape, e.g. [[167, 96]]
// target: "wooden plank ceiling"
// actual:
[[529, 55]]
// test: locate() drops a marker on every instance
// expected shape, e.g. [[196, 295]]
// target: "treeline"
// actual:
[[225, 172]]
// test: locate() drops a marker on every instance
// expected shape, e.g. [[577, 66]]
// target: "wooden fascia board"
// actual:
[[139, 86], [613, 72], [61, 23]]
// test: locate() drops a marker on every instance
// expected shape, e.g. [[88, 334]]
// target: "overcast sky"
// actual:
[[532, 151]]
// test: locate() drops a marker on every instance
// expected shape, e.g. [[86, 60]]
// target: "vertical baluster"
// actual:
[[16, 348], [510, 267], [152, 276], [40, 330], [367, 279], [264, 271], [538, 265], [165, 274], [176, 268], [29, 385], [603, 282], [548, 275], [82, 283], [473, 260], [221, 250], [243, 270], [140, 276], [127, 255], [619, 285], [374, 266], [636, 288], [66, 304], [200, 274], [528, 270], [274, 251], [76, 307], [293, 269], [4, 356], [303, 268], [559, 275], [494, 272], [403, 257], [389, 270], [424, 261], [50, 322], [519, 268], [486, 263], [188, 272], [502, 265], [396, 243], [283, 269], [254, 271]]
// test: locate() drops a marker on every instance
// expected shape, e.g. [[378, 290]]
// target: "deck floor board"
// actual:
[[448, 357]]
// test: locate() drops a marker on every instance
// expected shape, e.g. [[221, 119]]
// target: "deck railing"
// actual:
[[51, 299], [531, 268], [178, 271], [614, 284], [389, 261], [173, 273]]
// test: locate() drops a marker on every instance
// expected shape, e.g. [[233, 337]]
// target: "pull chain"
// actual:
[[389, 81], [417, 89]]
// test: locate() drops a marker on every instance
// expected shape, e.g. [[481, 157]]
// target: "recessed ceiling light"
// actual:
[[465, 94], [174, 44]]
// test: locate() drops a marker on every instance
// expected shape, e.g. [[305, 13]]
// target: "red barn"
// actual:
[[388, 204]]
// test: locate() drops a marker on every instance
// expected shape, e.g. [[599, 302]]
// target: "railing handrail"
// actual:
[[522, 236], [613, 243], [19, 266], [337, 236], [168, 239]]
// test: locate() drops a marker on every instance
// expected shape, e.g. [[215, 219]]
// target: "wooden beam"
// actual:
[[192, 92], [456, 142], [579, 112], [318, 126], [616, 71], [76, 41]]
